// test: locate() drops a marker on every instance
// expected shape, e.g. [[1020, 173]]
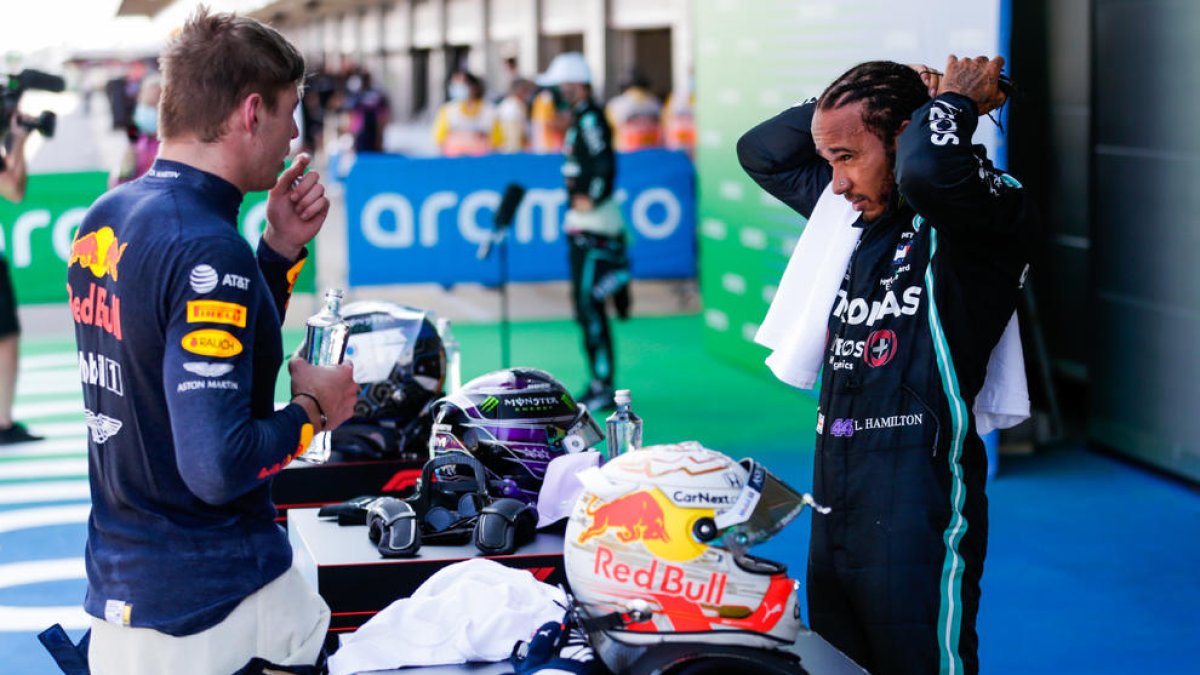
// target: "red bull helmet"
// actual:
[[515, 421], [656, 552]]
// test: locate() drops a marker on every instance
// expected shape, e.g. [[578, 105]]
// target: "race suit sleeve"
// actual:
[[780, 156], [280, 274], [597, 163], [220, 362], [950, 182]]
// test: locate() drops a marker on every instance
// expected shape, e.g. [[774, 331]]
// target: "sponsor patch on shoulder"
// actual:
[[206, 369], [215, 311], [211, 342]]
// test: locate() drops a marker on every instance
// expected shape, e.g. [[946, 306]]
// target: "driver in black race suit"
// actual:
[[894, 572]]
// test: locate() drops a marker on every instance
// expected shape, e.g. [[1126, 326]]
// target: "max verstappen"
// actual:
[[177, 321], [894, 572]]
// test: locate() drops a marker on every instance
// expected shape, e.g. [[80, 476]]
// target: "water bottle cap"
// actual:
[[622, 396]]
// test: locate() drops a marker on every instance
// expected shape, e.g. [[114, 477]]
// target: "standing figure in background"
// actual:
[[512, 115], [370, 112], [594, 226], [143, 134], [679, 119], [466, 125], [549, 116], [635, 115], [13, 179]]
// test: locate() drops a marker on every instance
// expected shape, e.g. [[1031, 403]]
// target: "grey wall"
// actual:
[[1145, 200]]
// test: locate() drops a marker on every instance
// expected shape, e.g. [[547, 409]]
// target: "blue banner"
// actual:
[[423, 220]]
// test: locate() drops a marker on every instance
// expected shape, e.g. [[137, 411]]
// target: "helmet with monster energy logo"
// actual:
[[515, 421]]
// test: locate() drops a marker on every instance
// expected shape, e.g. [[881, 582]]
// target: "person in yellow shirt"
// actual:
[[466, 125], [679, 119], [635, 115], [513, 116], [548, 120]]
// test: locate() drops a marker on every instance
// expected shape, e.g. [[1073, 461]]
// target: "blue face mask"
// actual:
[[145, 118], [459, 91]]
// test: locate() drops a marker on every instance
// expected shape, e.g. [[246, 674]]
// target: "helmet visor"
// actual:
[[584, 432], [765, 506]]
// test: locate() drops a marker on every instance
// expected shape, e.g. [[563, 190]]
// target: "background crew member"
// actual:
[[180, 320], [13, 179], [894, 571], [594, 226]]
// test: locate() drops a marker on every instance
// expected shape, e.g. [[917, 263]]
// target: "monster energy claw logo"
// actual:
[[489, 404]]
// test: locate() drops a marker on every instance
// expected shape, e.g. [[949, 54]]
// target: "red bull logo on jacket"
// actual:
[[98, 251], [98, 308]]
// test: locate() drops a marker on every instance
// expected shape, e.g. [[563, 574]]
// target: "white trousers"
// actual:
[[283, 622]]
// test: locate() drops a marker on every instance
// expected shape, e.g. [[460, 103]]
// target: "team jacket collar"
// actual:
[[217, 191]]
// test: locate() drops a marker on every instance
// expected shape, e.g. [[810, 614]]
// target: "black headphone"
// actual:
[[448, 508]]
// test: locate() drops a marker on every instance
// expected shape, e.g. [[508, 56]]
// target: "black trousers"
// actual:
[[599, 271], [9, 324], [894, 573]]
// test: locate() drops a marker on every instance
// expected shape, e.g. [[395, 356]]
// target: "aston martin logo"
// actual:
[[205, 369], [102, 426]]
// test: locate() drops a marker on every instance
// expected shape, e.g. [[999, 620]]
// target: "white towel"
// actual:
[[475, 610], [796, 323]]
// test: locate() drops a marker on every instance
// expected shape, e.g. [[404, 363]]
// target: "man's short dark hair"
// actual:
[[891, 92], [214, 62]]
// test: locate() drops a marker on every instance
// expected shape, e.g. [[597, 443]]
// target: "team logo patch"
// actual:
[[203, 279], [215, 311], [211, 342], [880, 348], [102, 426], [206, 369], [98, 251]]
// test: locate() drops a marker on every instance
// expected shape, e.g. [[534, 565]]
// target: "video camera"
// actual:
[[10, 97]]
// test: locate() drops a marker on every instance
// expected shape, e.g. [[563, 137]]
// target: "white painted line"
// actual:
[[43, 516], [47, 448], [65, 406], [49, 382], [44, 491], [55, 360], [27, 619], [60, 429], [43, 468]]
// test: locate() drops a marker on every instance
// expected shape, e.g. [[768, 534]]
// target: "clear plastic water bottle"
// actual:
[[624, 426], [324, 345], [326, 333], [453, 356]]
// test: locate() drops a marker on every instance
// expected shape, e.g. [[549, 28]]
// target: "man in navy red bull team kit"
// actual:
[[894, 571], [177, 322]]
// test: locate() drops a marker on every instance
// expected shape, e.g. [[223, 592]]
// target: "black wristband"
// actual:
[[320, 410]]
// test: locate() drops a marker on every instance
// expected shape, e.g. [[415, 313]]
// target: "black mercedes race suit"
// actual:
[[599, 266], [894, 570]]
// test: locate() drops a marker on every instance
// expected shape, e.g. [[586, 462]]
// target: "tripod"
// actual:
[[499, 240]]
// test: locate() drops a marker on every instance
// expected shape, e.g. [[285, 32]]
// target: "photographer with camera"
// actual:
[[13, 178]]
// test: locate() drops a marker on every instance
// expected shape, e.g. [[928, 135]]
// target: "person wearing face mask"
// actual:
[[143, 134], [370, 112], [466, 124]]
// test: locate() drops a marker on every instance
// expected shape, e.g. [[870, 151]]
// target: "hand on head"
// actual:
[[977, 78]]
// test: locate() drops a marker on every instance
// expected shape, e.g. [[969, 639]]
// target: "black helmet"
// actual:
[[515, 421], [400, 367]]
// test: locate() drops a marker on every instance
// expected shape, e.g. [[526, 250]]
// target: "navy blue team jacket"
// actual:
[[177, 322]]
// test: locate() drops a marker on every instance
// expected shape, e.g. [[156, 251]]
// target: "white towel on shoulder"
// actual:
[[796, 324]]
